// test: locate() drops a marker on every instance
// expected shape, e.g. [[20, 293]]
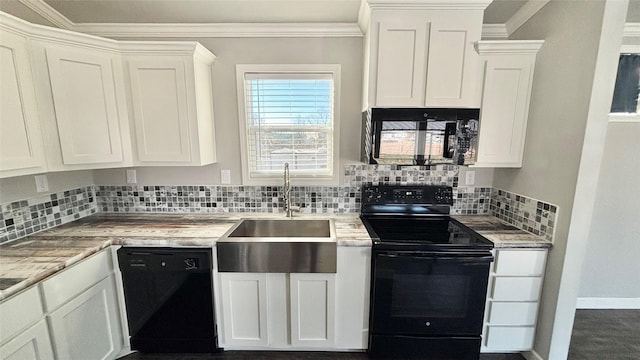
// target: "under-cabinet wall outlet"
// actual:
[[42, 184], [131, 177], [470, 178], [225, 176]]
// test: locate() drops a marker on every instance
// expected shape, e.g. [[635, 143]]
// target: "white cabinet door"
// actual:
[[161, 113], [504, 112], [88, 326], [312, 309], [508, 79], [244, 308], [21, 146], [86, 109], [402, 52], [452, 70], [32, 344]]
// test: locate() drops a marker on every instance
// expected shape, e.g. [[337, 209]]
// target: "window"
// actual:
[[627, 88], [288, 114]]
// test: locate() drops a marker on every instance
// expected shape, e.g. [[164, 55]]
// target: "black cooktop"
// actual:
[[415, 217]]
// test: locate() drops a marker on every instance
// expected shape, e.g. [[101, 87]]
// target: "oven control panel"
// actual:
[[407, 194]]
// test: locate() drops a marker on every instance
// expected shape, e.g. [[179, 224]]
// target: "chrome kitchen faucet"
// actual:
[[288, 208]]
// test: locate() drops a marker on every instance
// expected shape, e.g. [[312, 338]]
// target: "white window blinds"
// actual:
[[289, 118]]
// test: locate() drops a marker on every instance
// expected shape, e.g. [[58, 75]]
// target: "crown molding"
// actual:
[[525, 13], [494, 32], [428, 4], [220, 30], [632, 30], [508, 46], [50, 14]]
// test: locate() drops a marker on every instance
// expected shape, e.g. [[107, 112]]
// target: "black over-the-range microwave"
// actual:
[[420, 136]]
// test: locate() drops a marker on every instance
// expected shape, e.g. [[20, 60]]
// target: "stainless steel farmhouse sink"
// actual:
[[279, 246]]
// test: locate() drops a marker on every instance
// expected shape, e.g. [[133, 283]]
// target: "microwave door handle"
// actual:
[[449, 130]]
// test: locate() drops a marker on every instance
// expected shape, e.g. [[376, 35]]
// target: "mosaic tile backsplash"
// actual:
[[534, 216], [21, 218]]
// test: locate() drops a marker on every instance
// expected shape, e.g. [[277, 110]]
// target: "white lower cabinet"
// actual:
[[23, 330], [32, 344], [255, 310], [244, 300], [313, 302], [88, 327], [82, 310], [298, 310], [513, 296]]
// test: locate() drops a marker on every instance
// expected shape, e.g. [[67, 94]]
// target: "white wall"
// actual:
[[231, 51], [559, 116], [611, 265], [24, 187]]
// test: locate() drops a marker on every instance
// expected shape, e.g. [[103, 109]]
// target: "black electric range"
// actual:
[[429, 275]]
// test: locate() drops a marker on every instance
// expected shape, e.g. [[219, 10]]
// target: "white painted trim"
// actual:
[[531, 355], [220, 30], [508, 46], [525, 13], [50, 14], [632, 30], [629, 49], [494, 32], [429, 4], [624, 118], [607, 303]]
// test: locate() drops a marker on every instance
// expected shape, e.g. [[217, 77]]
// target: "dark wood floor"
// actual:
[[606, 334], [597, 335], [283, 355]]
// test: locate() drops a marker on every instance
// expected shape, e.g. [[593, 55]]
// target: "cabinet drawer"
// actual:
[[19, 312], [510, 338], [520, 262], [74, 280], [516, 288], [513, 313]]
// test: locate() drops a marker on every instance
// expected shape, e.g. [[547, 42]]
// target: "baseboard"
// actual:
[[531, 355], [608, 303]]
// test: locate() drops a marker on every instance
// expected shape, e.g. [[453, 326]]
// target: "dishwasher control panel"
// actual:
[[164, 259]]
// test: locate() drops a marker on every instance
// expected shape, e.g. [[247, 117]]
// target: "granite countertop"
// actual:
[[26, 261], [500, 233], [31, 259]]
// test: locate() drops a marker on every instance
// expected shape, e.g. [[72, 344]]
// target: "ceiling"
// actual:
[[231, 11]]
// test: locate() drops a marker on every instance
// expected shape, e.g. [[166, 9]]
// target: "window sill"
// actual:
[[624, 117]]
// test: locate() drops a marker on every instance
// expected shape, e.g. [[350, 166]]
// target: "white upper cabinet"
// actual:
[[93, 102], [172, 102], [508, 78], [21, 147], [421, 54], [85, 104]]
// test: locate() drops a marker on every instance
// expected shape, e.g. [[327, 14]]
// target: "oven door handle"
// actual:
[[441, 257]]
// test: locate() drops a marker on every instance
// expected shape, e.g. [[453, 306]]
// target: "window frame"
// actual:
[[627, 117], [303, 179]]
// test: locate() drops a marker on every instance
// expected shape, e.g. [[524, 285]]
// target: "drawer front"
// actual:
[[516, 288], [520, 262], [76, 279], [19, 312], [516, 338], [513, 313]]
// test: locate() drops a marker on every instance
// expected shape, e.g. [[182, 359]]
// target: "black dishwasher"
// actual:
[[169, 299]]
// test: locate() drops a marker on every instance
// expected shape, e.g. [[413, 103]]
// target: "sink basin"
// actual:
[[279, 246], [287, 228]]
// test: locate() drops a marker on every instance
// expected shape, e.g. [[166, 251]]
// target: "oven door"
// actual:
[[429, 293]]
